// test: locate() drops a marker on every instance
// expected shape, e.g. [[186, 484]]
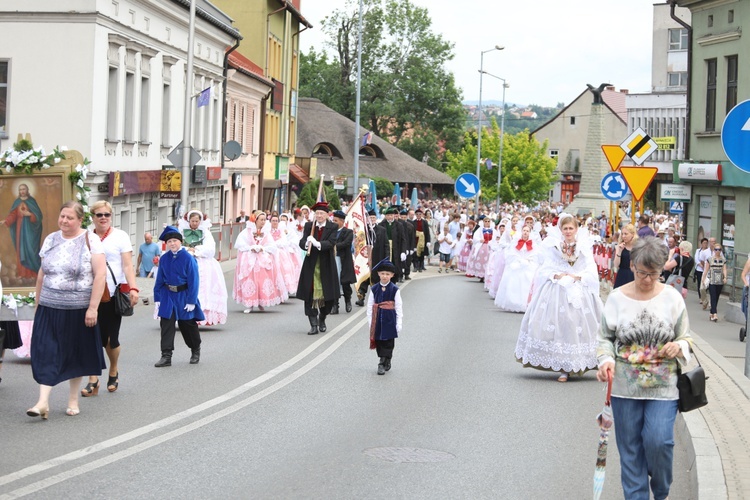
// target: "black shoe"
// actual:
[[387, 364], [381, 367], [166, 360], [322, 324], [360, 302], [348, 305], [196, 357], [335, 309], [313, 325], [407, 278]]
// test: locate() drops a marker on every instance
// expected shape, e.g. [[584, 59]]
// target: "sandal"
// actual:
[[113, 382], [563, 377], [91, 389]]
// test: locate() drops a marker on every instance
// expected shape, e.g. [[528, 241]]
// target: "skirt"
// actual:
[[12, 335], [63, 347]]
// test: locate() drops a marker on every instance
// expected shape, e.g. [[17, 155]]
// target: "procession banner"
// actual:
[[356, 220]]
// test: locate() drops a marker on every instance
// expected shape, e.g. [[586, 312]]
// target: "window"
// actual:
[[710, 95], [677, 79], [731, 82], [112, 111], [710, 20], [128, 133], [554, 153], [3, 98], [678, 39], [145, 106], [730, 16], [166, 96], [572, 120]]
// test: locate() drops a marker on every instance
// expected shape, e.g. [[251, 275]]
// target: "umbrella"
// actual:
[[605, 420], [396, 198], [373, 199], [414, 199]]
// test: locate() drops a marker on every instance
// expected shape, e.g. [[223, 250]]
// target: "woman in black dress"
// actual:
[[622, 255]]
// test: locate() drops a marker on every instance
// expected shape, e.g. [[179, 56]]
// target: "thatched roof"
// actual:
[[319, 124]]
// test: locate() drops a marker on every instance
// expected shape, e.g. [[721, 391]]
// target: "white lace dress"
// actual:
[[560, 327]]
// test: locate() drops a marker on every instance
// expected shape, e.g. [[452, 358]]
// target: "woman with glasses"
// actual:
[[716, 276], [644, 334], [118, 252]]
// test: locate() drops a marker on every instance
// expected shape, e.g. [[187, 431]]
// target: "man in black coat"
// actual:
[[410, 235], [396, 241], [379, 250], [344, 261], [319, 240], [423, 240]]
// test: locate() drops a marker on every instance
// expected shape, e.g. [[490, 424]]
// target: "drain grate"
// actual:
[[408, 455]]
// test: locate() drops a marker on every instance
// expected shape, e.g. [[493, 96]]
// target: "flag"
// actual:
[[204, 97], [396, 198], [488, 162], [366, 139], [414, 199], [373, 199], [356, 220], [321, 192]]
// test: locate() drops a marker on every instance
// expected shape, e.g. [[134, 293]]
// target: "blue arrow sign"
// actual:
[[735, 136], [614, 187], [467, 185]]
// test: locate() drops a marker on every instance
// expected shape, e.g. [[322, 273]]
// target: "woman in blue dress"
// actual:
[[622, 255]]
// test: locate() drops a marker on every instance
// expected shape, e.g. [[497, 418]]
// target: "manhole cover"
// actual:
[[408, 455]]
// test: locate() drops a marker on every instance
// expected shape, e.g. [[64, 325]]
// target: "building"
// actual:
[[272, 32], [717, 82], [108, 79], [567, 133], [326, 147]]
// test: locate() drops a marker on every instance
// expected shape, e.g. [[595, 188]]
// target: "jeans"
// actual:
[[714, 291], [644, 431]]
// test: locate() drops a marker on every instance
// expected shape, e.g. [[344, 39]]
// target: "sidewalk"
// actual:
[[720, 432]]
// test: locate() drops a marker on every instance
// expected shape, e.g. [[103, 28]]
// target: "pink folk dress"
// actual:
[[480, 255], [256, 282], [286, 260], [463, 256]]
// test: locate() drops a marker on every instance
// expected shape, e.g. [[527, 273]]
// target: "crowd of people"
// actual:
[[537, 261]]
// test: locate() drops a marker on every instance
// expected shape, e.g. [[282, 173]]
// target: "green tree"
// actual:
[[383, 187], [309, 194], [408, 97], [527, 170]]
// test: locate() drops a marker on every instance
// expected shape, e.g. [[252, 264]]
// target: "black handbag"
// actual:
[[123, 307], [692, 388]]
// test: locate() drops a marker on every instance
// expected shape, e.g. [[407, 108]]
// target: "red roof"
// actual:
[[238, 61], [616, 102]]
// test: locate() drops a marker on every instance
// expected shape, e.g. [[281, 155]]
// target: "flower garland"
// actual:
[[23, 158], [77, 178], [13, 300]]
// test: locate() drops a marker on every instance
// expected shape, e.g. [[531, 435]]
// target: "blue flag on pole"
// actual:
[[204, 97]]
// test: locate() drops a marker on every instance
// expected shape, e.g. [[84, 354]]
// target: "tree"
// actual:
[[527, 170], [408, 97], [309, 194]]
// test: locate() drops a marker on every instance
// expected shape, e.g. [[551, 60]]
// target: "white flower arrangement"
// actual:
[[15, 300], [24, 158]]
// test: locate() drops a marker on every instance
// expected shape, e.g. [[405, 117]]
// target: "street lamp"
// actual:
[[479, 122], [502, 139]]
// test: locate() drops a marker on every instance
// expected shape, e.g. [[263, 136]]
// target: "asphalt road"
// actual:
[[271, 412]]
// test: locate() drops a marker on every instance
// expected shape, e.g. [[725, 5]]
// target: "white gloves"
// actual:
[[403, 255], [414, 251], [189, 307], [313, 241], [157, 304]]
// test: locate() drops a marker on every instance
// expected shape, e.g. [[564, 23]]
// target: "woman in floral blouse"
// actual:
[[644, 335]]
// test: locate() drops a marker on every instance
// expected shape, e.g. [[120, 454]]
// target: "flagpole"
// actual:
[[187, 124], [359, 91]]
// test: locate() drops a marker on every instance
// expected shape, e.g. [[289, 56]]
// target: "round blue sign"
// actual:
[[467, 185], [614, 187], [735, 136]]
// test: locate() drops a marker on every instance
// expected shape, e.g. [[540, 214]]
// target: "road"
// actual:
[[271, 412]]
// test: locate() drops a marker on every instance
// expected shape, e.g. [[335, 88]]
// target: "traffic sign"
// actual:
[[639, 146], [676, 207], [615, 155], [467, 185], [735, 136], [638, 179], [175, 157], [614, 186]]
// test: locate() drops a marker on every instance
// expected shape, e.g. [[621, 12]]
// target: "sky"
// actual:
[[553, 48]]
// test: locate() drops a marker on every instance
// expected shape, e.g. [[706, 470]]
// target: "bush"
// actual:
[[309, 194]]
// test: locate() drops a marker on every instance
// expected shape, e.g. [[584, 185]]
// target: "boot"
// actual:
[[348, 304], [196, 356], [322, 324], [335, 309], [313, 325], [381, 367], [387, 364], [166, 359], [360, 302]]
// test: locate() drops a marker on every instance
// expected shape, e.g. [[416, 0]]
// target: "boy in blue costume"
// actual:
[[176, 297], [384, 314]]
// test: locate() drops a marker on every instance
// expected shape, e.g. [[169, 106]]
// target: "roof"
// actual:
[[293, 6], [248, 67], [317, 123], [613, 100], [212, 14]]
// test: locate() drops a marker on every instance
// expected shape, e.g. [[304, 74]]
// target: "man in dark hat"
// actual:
[[318, 279], [385, 314], [422, 233], [411, 244], [396, 238], [379, 251], [176, 297], [344, 261]]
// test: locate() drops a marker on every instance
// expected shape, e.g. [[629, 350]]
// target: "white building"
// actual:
[[107, 78]]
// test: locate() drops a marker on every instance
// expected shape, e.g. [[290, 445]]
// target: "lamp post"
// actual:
[[479, 122], [502, 140]]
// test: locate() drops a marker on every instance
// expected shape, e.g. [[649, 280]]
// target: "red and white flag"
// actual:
[[356, 220]]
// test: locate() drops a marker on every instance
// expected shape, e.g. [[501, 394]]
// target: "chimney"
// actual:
[[611, 87], [624, 91]]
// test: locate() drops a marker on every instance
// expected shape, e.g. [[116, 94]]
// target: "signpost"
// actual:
[[735, 136], [467, 185]]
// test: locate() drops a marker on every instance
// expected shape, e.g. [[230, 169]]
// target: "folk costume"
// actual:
[[423, 237], [480, 254], [411, 245], [176, 296], [286, 259], [466, 245], [497, 259], [521, 263], [212, 291], [559, 330], [396, 239], [256, 280], [318, 281], [344, 263], [380, 249], [385, 316]]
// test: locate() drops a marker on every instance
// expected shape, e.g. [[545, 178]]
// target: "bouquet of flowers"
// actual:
[[24, 158]]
